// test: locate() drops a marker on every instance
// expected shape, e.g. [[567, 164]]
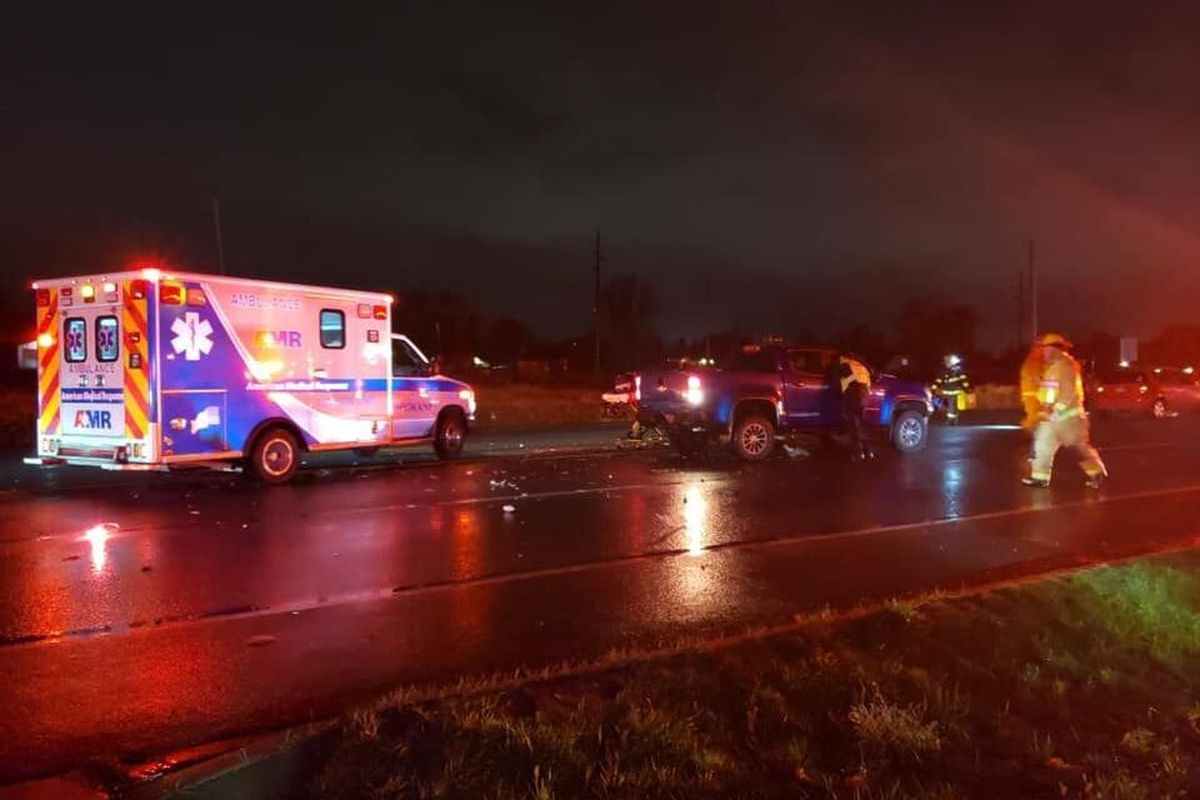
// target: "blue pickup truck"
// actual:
[[771, 391]]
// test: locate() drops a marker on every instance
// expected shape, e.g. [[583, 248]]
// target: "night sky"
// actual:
[[816, 166]]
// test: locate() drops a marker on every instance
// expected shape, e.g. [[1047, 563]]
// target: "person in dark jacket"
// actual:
[[855, 385]]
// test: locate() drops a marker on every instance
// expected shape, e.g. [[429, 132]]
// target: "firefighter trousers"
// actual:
[[1072, 432]]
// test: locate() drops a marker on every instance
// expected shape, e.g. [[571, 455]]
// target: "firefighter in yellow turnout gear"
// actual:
[[1031, 387], [1063, 421], [952, 386]]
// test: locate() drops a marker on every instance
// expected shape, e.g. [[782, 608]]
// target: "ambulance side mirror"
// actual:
[[435, 366]]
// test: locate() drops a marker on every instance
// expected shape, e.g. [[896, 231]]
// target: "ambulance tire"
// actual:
[[275, 456], [450, 436]]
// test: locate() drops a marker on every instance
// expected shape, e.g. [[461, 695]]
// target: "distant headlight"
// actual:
[[695, 393]]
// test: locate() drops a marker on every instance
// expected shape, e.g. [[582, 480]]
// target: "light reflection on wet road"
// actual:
[[126, 606]]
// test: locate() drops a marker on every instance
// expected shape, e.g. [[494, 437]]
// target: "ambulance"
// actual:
[[156, 370]]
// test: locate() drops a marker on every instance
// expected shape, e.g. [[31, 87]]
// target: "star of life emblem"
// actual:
[[192, 336]]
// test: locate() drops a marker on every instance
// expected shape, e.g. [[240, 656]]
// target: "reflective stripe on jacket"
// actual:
[[1062, 388]]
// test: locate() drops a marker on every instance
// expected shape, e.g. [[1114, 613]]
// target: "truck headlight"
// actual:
[[695, 393], [469, 396]]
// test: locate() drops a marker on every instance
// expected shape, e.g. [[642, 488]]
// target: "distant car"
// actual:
[[1160, 392], [769, 391]]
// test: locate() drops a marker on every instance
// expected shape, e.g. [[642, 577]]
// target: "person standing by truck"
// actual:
[[855, 384], [1063, 422]]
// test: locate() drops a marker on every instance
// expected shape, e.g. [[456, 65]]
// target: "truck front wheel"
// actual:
[[754, 437], [910, 431]]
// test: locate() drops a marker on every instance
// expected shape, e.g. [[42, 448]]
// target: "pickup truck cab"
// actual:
[[774, 390]]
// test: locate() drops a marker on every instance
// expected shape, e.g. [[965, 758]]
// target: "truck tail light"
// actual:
[[637, 388], [380, 312], [138, 289], [695, 392]]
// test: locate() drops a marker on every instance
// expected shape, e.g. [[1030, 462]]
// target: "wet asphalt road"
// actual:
[[141, 613]]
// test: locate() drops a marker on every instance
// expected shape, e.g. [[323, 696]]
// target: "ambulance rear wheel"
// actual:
[[275, 456], [450, 436]]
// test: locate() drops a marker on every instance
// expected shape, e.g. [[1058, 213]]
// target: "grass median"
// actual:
[[1085, 685]]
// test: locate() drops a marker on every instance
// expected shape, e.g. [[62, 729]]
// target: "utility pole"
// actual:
[[1033, 295], [596, 303], [217, 229], [708, 319], [1020, 329]]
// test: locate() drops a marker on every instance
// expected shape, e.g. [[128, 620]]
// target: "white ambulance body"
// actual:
[[152, 369]]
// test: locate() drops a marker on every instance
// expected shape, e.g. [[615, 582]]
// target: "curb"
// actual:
[[193, 779]]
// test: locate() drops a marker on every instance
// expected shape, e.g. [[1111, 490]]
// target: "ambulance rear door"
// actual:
[[95, 374]]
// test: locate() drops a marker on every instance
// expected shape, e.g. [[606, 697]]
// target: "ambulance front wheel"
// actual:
[[450, 436], [275, 456]]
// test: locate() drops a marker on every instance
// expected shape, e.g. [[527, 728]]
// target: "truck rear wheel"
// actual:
[[754, 437], [275, 456], [450, 436]]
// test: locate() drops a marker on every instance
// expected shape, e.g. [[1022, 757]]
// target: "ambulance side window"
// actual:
[[333, 329], [405, 363], [108, 347], [75, 336]]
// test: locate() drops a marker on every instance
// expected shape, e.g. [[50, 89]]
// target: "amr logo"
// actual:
[[91, 420]]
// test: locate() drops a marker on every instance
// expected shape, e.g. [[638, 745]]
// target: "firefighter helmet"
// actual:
[[1055, 340]]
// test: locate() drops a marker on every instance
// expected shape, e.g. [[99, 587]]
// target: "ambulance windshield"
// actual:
[[406, 361]]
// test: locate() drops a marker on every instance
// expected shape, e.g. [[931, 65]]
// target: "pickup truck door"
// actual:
[[808, 396]]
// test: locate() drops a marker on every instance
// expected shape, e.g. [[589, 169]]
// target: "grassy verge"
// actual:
[[1079, 686]]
